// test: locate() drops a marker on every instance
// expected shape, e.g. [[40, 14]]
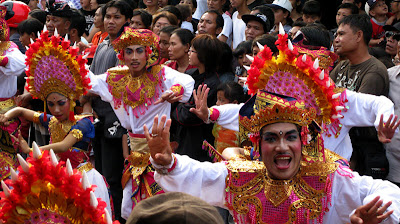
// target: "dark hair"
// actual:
[[354, 9], [39, 15], [299, 24], [185, 36], [145, 16], [225, 64], [219, 20], [168, 30], [208, 51], [77, 21], [312, 8], [316, 34], [266, 39], [244, 47], [359, 22], [30, 26], [185, 11], [267, 11], [232, 91], [165, 14], [123, 7], [172, 9]]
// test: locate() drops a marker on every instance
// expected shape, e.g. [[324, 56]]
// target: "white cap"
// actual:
[[286, 4]]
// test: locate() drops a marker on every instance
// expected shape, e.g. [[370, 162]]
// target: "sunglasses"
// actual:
[[392, 34]]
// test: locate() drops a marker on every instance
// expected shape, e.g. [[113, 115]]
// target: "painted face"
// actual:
[[135, 58], [221, 100], [58, 106], [193, 59], [161, 23], [164, 45], [345, 40], [176, 49], [98, 19], [136, 23], [113, 21], [341, 13], [281, 150], [53, 22], [208, 24], [253, 30]]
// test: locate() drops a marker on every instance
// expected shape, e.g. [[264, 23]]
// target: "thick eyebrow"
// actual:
[[276, 134]]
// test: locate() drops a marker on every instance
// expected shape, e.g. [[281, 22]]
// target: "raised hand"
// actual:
[[22, 144], [158, 141], [371, 213], [200, 99], [387, 130]]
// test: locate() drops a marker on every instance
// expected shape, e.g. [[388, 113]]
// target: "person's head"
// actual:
[[33, 4], [297, 5], [376, 8], [311, 11], [192, 3], [237, 3], [151, 3], [240, 52], [77, 27], [59, 106], [266, 39], [354, 31], [85, 4], [138, 49], [296, 27], [267, 11], [211, 22], [38, 14], [282, 9], [256, 25], [395, 6], [174, 207], [175, 11], [229, 92], [141, 19], [215, 5], [205, 51], [28, 29], [163, 19], [59, 15], [165, 35], [94, 4], [116, 13], [163, 3], [98, 17], [226, 59], [345, 10], [179, 43], [392, 35], [185, 11], [313, 36]]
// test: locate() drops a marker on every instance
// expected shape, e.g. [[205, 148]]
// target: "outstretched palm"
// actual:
[[200, 99]]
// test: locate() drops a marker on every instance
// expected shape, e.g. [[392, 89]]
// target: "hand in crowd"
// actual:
[[371, 213], [200, 99], [158, 141], [168, 96], [4, 120], [23, 100], [387, 130], [21, 143]]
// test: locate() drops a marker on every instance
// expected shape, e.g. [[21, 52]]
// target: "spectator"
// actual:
[[240, 53], [76, 29], [392, 35], [266, 39], [226, 33], [163, 19], [267, 11], [88, 12], [343, 11], [141, 19], [311, 11], [38, 14], [296, 13], [28, 30], [172, 9], [395, 10], [361, 73], [58, 17], [358, 3], [225, 67], [211, 22], [256, 25], [33, 4], [186, 17], [151, 6], [99, 23], [192, 3], [165, 35], [251, 4], [163, 3], [378, 10], [238, 25], [179, 44], [296, 27], [282, 9]]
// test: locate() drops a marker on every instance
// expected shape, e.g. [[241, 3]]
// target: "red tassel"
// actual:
[[71, 116], [45, 116]]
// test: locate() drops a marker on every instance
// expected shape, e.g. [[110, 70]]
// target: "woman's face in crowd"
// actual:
[[159, 24], [221, 100], [58, 106], [135, 58], [150, 3], [281, 150], [280, 16], [243, 60], [164, 45], [176, 49], [193, 59]]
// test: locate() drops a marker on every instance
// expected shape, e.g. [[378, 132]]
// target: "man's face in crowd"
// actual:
[[341, 13], [98, 19], [113, 21], [310, 18], [392, 39], [136, 22], [281, 150], [208, 24], [215, 4], [253, 30], [345, 40], [53, 22], [395, 6]]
